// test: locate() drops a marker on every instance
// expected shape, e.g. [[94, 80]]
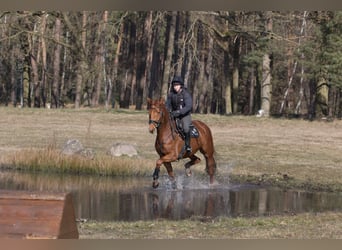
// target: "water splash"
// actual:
[[198, 180]]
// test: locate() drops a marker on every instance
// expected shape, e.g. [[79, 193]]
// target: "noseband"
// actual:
[[156, 123]]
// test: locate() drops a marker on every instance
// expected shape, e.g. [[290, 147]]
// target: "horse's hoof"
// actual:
[[188, 172], [155, 184]]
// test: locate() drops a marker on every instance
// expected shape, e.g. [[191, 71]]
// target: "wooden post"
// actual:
[[37, 215]]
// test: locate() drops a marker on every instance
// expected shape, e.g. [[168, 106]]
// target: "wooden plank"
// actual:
[[37, 215]]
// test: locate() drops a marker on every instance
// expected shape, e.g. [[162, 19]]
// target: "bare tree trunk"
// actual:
[[251, 91], [188, 69], [128, 85], [332, 101], [200, 85], [322, 97], [181, 44], [266, 86], [170, 48], [226, 86], [100, 62], [25, 85], [14, 73], [56, 65], [63, 85], [207, 89], [78, 85], [301, 89], [228, 98], [81, 63], [148, 41], [25, 75], [236, 63], [339, 103], [35, 80], [45, 84], [106, 80], [34, 60], [115, 67], [295, 64]]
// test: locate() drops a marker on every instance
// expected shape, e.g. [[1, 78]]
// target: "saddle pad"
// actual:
[[193, 131]]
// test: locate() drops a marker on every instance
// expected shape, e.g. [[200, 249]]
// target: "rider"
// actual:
[[179, 103]]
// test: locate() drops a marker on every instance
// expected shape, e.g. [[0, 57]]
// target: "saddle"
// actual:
[[193, 130]]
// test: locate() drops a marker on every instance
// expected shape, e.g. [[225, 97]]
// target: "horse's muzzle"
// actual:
[[152, 125], [151, 128]]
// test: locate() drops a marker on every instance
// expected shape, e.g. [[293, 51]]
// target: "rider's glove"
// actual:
[[176, 113]]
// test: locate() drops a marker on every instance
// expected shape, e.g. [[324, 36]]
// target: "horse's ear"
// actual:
[[149, 102], [161, 100]]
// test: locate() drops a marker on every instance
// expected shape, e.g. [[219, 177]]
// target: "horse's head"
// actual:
[[156, 112]]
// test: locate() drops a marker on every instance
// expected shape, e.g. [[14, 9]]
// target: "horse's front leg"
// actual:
[[155, 182], [172, 178], [167, 163]]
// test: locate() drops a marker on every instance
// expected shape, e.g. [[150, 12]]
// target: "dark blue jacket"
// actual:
[[181, 101]]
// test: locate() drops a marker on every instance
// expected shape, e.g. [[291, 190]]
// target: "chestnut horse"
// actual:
[[170, 145]]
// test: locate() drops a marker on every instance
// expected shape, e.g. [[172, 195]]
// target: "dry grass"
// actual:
[[291, 153], [52, 161], [33, 139], [303, 226], [276, 151]]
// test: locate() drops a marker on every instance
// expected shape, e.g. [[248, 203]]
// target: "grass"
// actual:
[[303, 226], [280, 152], [53, 161]]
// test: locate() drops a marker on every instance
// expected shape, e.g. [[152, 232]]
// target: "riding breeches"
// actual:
[[186, 122]]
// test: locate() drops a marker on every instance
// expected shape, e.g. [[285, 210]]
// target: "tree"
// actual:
[[232, 61], [169, 45], [266, 84], [56, 100]]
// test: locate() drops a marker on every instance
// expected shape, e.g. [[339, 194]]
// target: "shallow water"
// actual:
[[132, 199]]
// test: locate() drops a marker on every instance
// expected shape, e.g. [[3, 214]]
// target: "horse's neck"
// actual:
[[165, 126]]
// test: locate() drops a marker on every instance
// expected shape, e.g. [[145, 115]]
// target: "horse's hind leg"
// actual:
[[210, 167], [193, 160]]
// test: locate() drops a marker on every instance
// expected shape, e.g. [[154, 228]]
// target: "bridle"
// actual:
[[155, 123]]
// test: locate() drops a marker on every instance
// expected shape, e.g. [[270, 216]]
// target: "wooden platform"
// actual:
[[37, 215]]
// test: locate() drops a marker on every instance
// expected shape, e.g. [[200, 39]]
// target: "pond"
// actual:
[[132, 199]]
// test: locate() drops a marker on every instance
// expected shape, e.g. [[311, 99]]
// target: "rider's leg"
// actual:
[[186, 120]]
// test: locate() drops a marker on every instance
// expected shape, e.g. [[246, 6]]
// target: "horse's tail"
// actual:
[[214, 152]]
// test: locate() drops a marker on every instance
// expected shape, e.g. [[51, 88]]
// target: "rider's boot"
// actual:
[[187, 142]]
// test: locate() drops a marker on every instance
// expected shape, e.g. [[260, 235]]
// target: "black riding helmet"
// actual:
[[177, 79]]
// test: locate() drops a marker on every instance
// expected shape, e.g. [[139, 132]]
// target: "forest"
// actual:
[[233, 62]]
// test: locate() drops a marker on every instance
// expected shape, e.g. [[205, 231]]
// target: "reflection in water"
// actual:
[[131, 199]]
